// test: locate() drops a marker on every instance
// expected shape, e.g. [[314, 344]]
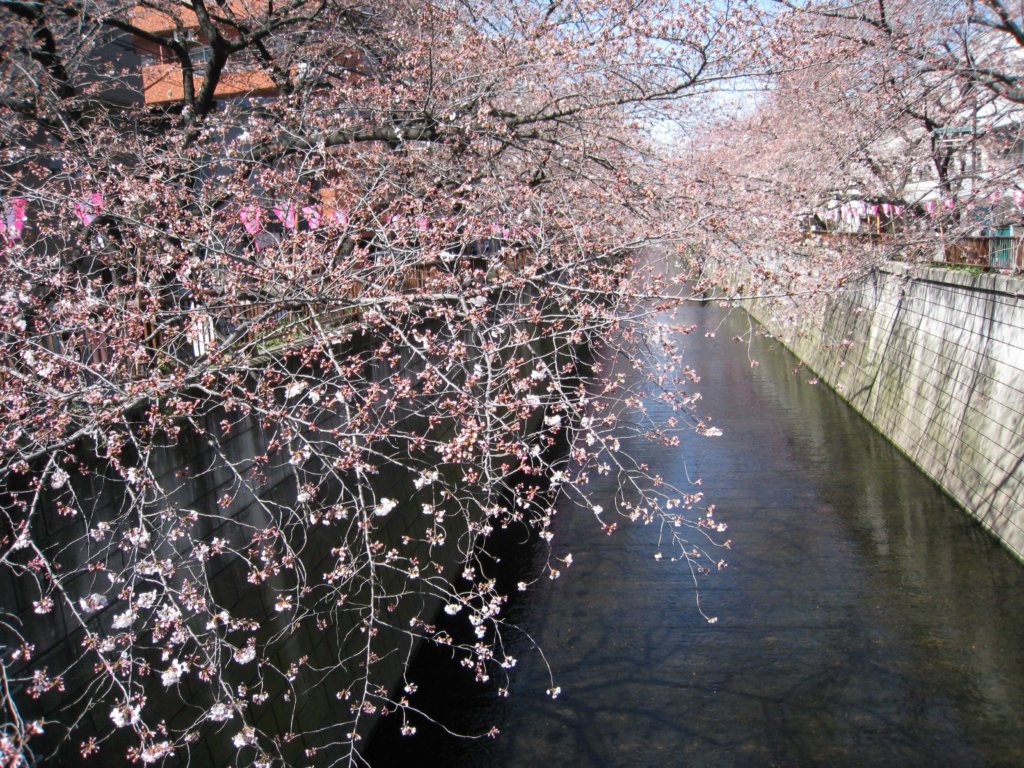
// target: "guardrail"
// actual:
[[988, 251], [191, 330], [995, 251]]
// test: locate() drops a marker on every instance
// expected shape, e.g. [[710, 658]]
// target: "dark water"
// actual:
[[863, 620]]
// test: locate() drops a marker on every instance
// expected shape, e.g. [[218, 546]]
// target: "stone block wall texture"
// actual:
[[934, 359]]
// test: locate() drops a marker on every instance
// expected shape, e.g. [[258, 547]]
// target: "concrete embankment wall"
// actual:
[[204, 470], [235, 482], [934, 359]]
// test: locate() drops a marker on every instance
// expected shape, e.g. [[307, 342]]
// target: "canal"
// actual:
[[863, 618]]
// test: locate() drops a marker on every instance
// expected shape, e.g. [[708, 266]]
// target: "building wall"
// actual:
[[934, 359]]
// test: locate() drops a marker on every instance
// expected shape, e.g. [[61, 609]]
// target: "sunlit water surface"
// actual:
[[863, 619]]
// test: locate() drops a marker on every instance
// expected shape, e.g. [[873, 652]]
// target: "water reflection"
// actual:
[[863, 620]]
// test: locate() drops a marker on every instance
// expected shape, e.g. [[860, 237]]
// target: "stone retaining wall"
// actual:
[[934, 359]]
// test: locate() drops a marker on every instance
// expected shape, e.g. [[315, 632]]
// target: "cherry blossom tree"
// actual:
[[289, 341], [883, 130], [949, 68]]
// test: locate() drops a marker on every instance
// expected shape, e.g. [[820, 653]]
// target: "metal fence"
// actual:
[[998, 251]]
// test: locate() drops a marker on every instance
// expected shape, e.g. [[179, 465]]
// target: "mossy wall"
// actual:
[[934, 359]]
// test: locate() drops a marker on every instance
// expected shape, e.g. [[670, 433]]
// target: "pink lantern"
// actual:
[[312, 214], [287, 216], [250, 216], [14, 220], [87, 212]]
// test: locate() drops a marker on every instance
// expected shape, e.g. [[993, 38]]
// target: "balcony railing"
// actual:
[[165, 22], [162, 84], [162, 23]]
